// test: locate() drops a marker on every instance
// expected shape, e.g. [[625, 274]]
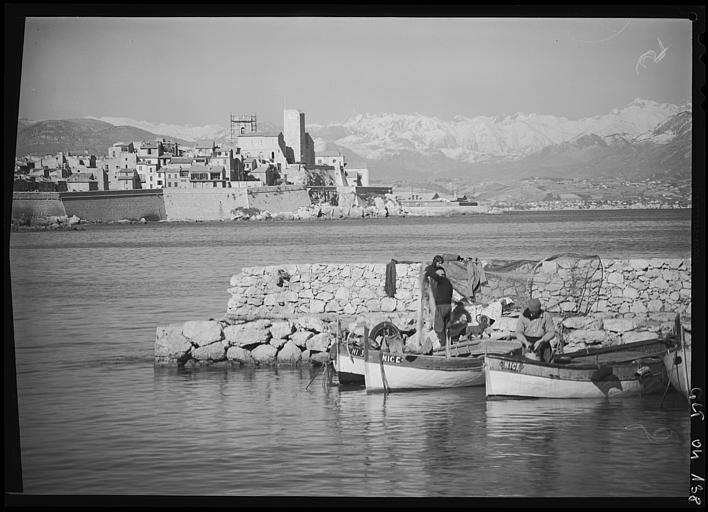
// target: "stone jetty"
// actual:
[[288, 315]]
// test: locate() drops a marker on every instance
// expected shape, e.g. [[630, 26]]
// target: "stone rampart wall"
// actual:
[[203, 204], [33, 205], [218, 203], [282, 199], [114, 205]]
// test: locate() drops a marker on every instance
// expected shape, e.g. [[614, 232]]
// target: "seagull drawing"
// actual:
[[651, 54]]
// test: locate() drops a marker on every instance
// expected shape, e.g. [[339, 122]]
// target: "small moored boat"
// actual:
[[623, 370], [385, 371]]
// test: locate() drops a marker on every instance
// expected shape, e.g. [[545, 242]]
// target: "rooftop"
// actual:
[[260, 134], [181, 160]]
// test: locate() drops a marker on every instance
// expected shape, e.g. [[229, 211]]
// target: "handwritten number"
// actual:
[[697, 412]]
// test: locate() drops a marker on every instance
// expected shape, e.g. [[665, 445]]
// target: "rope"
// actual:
[[653, 437], [383, 373], [316, 375]]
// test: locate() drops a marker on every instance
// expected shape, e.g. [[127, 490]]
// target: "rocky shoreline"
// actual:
[[50, 223], [313, 212]]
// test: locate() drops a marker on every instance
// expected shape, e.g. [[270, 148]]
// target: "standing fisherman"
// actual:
[[442, 292]]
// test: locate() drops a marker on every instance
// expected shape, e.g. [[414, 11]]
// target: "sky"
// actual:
[[196, 71]]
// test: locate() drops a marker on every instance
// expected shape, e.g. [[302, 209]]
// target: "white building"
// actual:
[[265, 146]]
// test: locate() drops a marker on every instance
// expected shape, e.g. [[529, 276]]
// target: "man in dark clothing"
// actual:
[[460, 318], [442, 292]]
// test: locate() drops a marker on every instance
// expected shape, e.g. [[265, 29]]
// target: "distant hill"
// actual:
[[76, 136]]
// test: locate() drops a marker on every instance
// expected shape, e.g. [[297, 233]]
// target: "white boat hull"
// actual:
[[397, 373], [679, 370], [518, 378]]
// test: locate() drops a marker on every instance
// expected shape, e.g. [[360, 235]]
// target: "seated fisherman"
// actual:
[[459, 320], [535, 330]]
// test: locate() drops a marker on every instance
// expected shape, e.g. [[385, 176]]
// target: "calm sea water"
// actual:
[[97, 418]]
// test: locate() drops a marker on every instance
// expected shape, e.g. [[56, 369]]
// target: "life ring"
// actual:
[[384, 329]]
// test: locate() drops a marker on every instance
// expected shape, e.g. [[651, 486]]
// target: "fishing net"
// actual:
[[566, 284]]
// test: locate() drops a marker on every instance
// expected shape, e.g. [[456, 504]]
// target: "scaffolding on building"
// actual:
[[242, 123]]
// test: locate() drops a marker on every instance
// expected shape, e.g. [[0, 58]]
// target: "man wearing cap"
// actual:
[[442, 293], [535, 330]]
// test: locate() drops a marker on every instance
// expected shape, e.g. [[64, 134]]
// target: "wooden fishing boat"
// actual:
[[678, 362], [622, 370], [385, 366], [348, 362], [386, 371]]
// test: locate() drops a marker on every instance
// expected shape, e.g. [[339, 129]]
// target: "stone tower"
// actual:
[[294, 133]]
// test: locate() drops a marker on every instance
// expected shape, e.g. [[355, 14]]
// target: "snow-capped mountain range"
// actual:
[[483, 138], [462, 139], [185, 132]]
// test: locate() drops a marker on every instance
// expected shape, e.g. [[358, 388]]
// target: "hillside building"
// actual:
[[265, 146], [127, 179], [119, 148], [82, 182]]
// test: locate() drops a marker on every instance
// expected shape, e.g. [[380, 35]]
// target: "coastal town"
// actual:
[[254, 159], [250, 159]]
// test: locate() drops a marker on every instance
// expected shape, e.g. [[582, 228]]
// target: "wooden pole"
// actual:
[[421, 286], [685, 361], [366, 353]]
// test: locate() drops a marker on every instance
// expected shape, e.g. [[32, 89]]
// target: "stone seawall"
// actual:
[[218, 203], [280, 199], [628, 287], [35, 205], [290, 314], [115, 205], [203, 204]]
